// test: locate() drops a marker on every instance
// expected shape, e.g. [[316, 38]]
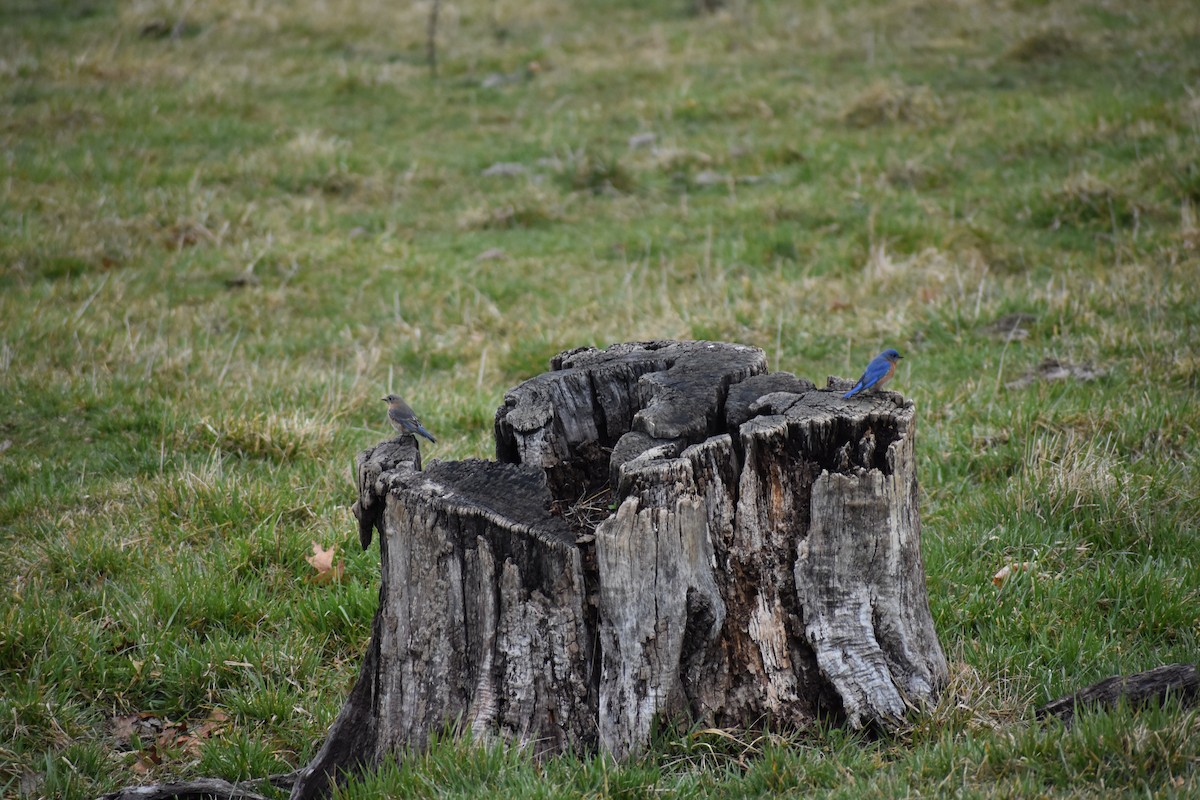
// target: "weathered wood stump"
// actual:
[[668, 533]]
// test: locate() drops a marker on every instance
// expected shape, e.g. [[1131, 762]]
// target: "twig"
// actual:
[[204, 789], [177, 28], [1178, 680], [431, 39], [86, 303]]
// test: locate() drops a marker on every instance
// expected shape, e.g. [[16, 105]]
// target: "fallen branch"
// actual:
[[1175, 680], [203, 789]]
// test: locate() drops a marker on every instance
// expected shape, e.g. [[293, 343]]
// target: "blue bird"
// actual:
[[403, 419], [878, 372]]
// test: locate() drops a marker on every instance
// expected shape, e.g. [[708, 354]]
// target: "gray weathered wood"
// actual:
[[806, 591], [1171, 680], [401, 454], [480, 622], [564, 421], [203, 789], [198, 789], [668, 533]]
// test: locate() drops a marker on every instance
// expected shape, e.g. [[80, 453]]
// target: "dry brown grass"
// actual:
[[890, 103]]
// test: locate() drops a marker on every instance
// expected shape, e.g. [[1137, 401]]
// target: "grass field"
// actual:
[[228, 228]]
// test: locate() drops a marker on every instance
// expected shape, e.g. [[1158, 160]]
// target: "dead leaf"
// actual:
[[1007, 571], [177, 737], [158, 735], [30, 783], [147, 760], [169, 735], [191, 745], [146, 725], [322, 561], [123, 727], [214, 725]]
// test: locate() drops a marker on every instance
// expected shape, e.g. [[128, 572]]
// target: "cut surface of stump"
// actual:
[[669, 533]]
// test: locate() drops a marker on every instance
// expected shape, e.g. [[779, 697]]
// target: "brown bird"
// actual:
[[403, 419]]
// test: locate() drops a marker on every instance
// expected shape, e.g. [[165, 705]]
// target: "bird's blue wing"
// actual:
[[876, 371]]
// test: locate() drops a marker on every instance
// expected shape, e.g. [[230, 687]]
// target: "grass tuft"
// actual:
[[889, 103], [1085, 201], [532, 209], [598, 173], [1050, 44]]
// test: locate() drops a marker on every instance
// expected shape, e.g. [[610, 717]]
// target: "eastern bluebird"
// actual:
[[878, 372], [403, 419]]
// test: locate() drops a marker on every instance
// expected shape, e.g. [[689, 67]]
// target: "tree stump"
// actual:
[[668, 533]]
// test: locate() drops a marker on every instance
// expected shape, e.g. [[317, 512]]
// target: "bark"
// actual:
[[480, 621], [199, 789], [668, 533], [1174, 680]]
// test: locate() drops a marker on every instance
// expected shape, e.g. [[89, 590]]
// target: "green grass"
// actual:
[[220, 247]]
